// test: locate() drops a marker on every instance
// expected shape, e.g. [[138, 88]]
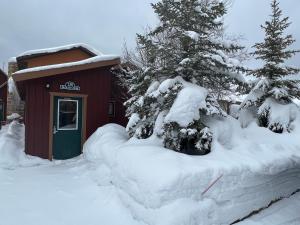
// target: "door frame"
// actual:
[[84, 111]]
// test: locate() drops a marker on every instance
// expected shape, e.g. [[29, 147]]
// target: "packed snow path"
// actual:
[[60, 193], [284, 212]]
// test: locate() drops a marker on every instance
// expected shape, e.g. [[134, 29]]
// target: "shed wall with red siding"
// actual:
[[98, 84]]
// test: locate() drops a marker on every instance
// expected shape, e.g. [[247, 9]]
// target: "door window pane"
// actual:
[[67, 114]]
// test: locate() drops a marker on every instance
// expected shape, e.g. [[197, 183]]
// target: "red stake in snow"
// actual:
[[211, 185]]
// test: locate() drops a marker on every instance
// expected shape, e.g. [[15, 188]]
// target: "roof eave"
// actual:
[[56, 71]]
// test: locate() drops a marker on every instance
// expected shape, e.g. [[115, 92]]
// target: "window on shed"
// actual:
[[111, 108], [67, 114]]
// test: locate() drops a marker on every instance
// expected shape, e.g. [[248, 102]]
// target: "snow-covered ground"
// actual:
[[61, 193], [35, 191], [118, 181]]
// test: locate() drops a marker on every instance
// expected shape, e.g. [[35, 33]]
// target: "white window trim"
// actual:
[[67, 100]]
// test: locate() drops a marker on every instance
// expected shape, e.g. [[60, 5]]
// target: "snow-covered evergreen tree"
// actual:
[[195, 48], [187, 46], [276, 86]]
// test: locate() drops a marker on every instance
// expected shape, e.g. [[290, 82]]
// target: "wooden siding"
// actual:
[[97, 84], [71, 55]]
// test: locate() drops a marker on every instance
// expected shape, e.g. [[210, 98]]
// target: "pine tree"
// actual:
[[137, 77], [195, 48], [276, 85], [188, 43]]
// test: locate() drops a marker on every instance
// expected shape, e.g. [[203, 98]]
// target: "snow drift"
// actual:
[[163, 187], [12, 152]]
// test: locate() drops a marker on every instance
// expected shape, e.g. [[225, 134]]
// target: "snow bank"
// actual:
[[12, 147], [163, 187]]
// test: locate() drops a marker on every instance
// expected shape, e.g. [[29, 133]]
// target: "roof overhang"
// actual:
[[22, 76]]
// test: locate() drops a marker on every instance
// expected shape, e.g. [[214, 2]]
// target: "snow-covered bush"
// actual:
[[184, 126], [180, 111], [273, 94]]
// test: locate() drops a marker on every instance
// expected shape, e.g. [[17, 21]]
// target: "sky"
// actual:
[[108, 24]]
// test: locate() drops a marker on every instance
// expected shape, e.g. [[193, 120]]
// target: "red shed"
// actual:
[[3, 96], [69, 92]]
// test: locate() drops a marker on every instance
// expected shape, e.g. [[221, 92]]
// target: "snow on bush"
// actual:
[[187, 105], [12, 147], [280, 117], [162, 187], [176, 111], [273, 107]]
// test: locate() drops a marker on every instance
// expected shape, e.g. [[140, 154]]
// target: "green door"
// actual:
[[67, 127]]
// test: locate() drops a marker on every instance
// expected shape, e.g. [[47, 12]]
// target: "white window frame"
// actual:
[[58, 110]]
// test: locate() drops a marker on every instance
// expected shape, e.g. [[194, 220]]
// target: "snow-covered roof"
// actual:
[[100, 58], [93, 62], [60, 48]]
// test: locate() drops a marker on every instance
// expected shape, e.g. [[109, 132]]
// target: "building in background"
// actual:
[[14, 104]]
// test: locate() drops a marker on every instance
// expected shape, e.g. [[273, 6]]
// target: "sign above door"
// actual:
[[70, 86]]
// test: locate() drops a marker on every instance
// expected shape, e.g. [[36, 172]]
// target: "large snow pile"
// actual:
[[12, 147], [254, 165]]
